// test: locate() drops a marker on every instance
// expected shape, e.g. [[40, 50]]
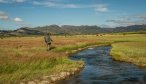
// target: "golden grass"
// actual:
[[134, 52], [26, 57]]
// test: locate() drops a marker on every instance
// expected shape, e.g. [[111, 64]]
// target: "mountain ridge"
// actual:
[[71, 30]]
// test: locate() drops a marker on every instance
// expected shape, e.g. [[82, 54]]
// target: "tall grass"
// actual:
[[26, 58], [13, 73], [134, 52], [80, 45]]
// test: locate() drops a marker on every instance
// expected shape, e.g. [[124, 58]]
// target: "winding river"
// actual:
[[101, 69]]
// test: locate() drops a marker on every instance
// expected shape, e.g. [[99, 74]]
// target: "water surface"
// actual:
[[101, 69]]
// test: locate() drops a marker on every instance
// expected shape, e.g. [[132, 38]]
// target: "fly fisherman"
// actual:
[[48, 40]]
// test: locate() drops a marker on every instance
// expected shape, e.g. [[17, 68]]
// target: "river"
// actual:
[[100, 68]]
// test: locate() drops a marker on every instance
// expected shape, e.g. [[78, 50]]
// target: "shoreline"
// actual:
[[128, 54], [127, 61], [52, 79], [26, 59]]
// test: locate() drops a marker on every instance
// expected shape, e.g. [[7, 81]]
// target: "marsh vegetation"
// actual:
[[26, 58], [134, 52]]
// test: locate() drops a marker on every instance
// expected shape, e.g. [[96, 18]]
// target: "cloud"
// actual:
[[12, 1], [3, 16], [130, 20], [55, 5], [20, 23], [59, 4], [122, 22], [70, 6], [19, 1], [105, 26], [46, 4], [140, 17], [3, 1], [101, 8], [51, 3], [17, 19], [2, 13]]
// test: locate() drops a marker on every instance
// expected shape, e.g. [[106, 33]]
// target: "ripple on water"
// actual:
[[101, 69]]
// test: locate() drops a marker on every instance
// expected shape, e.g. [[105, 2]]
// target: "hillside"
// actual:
[[69, 29]]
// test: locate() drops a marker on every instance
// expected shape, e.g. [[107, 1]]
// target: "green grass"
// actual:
[[134, 52], [26, 58], [69, 48], [13, 73], [127, 33]]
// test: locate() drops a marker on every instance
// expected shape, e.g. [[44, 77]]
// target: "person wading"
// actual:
[[48, 40]]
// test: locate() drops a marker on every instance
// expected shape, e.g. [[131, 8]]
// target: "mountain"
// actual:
[[26, 31], [85, 29], [69, 29], [21, 32]]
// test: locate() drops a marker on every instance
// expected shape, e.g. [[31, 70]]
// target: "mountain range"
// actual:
[[71, 30]]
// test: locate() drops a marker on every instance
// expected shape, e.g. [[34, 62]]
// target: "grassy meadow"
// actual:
[[26, 58], [134, 52]]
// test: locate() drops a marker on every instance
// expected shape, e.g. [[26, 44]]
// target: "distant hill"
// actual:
[[69, 29]]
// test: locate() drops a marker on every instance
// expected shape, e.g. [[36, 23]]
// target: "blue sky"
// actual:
[[106, 13]]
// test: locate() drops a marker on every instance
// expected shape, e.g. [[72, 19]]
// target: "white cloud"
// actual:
[[59, 4], [101, 8], [12, 1], [4, 1], [17, 19], [2, 13], [55, 5], [3, 16], [130, 20], [20, 23], [70, 6], [19, 1], [105, 26], [46, 4], [140, 17], [50, 3]]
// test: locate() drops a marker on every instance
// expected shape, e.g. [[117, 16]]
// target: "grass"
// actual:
[[69, 48], [134, 52], [26, 58], [13, 73]]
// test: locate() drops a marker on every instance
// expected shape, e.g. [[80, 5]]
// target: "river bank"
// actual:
[[54, 78], [133, 52], [26, 58], [100, 68]]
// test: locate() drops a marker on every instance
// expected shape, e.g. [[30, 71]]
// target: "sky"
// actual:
[[105, 13]]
